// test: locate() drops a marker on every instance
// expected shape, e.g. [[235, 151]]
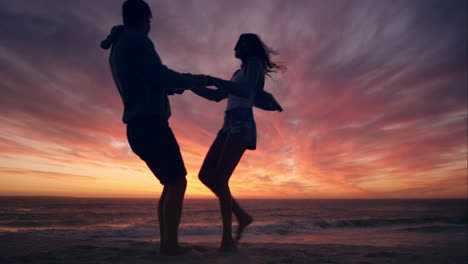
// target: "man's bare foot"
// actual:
[[180, 250], [243, 223]]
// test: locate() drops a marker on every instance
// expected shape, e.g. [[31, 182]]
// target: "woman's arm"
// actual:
[[210, 94], [266, 101], [230, 87], [246, 82]]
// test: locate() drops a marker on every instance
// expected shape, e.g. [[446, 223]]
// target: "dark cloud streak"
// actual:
[[382, 80]]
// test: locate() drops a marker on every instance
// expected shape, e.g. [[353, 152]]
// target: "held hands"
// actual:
[[211, 81], [203, 81], [199, 81], [206, 80]]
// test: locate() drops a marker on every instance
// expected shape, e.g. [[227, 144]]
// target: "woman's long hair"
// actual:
[[262, 51]]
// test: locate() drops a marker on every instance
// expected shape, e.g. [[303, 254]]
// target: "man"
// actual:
[[144, 83]]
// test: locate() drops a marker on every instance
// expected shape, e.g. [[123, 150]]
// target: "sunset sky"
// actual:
[[374, 98]]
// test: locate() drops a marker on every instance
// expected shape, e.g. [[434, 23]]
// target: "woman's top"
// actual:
[[252, 79], [244, 86]]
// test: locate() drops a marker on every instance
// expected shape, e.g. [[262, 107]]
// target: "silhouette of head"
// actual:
[[250, 45], [137, 14]]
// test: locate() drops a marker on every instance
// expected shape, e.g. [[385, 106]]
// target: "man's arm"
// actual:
[[160, 75], [174, 92]]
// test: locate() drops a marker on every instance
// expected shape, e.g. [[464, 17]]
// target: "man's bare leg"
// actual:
[[162, 231], [172, 211]]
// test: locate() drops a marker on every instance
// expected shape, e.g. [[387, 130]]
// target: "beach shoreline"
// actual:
[[17, 247]]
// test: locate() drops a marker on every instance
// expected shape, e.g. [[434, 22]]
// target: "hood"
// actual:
[[113, 35]]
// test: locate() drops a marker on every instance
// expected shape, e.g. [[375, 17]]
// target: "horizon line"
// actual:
[[215, 198]]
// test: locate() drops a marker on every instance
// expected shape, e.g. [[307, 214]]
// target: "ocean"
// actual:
[[319, 221]]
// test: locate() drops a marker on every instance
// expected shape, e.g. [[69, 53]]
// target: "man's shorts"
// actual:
[[153, 141]]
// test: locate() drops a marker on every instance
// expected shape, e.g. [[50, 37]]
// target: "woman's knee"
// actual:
[[206, 178], [214, 185], [221, 189]]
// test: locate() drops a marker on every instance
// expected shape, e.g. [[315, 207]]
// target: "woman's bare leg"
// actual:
[[221, 160], [225, 202], [243, 219]]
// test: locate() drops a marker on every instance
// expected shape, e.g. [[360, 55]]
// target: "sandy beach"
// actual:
[[30, 248]]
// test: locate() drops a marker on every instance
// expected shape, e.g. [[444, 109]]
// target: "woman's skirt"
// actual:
[[240, 122]]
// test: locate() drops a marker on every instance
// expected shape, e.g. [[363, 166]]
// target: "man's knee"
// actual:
[[182, 183], [179, 184]]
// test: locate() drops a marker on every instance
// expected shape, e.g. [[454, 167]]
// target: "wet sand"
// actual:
[[31, 248]]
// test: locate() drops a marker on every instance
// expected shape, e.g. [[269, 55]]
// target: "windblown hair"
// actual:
[[135, 12], [262, 51]]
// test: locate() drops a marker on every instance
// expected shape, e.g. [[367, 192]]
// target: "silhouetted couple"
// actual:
[[144, 84]]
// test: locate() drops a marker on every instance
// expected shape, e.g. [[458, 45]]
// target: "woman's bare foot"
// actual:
[[228, 246], [243, 223]]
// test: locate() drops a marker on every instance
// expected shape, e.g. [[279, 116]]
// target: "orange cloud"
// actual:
[[371, 110]]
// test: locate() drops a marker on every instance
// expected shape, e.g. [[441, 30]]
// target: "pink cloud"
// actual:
[[371, 92]]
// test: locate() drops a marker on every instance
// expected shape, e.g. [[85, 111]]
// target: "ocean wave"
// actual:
[[297, 227], [435, 229], [376, 222], [150, 230]]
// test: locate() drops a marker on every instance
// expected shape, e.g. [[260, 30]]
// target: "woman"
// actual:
[[238, 133]]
